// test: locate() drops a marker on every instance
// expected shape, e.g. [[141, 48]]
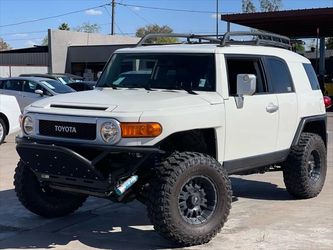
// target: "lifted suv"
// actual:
[[167, 125]]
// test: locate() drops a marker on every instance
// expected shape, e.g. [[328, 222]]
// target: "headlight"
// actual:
[[110, 132], [28, 125]]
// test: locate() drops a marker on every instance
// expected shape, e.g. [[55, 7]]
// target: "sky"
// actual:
[[127, 18]]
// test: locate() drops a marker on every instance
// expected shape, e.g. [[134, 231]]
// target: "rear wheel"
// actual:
[[3, 131], [304, 171], [43, 200], [190, 198]]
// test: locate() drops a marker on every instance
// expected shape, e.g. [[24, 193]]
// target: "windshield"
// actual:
[[65, 79], [57, 86], [160, 71]]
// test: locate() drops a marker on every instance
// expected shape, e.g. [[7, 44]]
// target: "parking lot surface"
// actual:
[[263, 216]]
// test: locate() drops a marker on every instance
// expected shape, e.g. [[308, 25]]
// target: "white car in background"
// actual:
[[30, 89], [9, 116]]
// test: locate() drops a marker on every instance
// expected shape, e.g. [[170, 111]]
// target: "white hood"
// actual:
[[129, 100]]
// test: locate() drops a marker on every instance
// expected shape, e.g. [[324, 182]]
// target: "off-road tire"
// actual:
[[40, 200], [298, 178], [163, 201], [3, 128]]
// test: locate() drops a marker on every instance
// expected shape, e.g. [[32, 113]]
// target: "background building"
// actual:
[[79, 53]]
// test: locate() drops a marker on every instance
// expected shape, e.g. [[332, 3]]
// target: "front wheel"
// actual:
[[43, 200], [3, 130], [190, 198], [304, 171]]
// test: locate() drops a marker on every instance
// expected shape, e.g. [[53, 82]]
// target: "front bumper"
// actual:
[[60, 165]]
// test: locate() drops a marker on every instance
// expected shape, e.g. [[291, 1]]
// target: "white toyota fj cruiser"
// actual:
[[167, 124]]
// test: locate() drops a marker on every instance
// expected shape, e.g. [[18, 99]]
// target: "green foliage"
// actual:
[[299, 47], [4, 45], [141, 32], [88, 28], [270, 5], [45, 41], [64, 26], [248, 6], [265, 5], [329, 43]]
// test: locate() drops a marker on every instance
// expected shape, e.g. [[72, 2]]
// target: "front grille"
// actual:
[[84, 131]]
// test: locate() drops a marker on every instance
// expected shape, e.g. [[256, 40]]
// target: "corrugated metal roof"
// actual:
[[18, 59], [293, 23], [35, 49]]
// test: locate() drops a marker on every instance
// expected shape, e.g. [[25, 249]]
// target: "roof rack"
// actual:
[[258, 38], [189, 38]]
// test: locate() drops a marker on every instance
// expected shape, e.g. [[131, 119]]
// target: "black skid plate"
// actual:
[[61, 165]]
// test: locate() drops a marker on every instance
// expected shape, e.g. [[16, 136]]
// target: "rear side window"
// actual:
[[311, 76], [15, 85], [279, 76]]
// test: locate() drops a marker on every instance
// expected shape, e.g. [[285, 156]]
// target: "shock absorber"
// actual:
[[122, 188]]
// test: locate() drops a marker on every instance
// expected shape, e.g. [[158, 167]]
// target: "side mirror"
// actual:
[[246, 85], [39, 92]]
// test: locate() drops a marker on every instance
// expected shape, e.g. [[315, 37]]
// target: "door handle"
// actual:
[[271, 108]]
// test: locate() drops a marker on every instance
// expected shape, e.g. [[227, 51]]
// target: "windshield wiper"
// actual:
[[137, 86], [190, 91], [111, 86]]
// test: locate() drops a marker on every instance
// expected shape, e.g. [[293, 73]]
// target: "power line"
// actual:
[[51, 17], [24, 39], [28, 32], [123, 33], [169, 9], [108, 12], [119, 28], [108, 4], [141, 17], [104, 6]]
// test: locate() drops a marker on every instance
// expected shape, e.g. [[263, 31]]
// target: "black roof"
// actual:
[[302, 23], [36, 49]]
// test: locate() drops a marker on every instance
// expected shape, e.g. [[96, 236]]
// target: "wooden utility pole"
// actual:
[[217, 19], [112, 16]]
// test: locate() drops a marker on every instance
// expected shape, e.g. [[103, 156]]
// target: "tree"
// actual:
[[299, 47], [155, 28], [88, 28], [4, 45], [270, 5], [64, 26], [248, 6], [329, 43], [45, 41], [265, 5]]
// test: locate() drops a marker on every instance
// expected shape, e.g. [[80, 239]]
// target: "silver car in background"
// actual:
[[30, 89]]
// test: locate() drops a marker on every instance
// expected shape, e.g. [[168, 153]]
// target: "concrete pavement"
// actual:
[[264, 216]]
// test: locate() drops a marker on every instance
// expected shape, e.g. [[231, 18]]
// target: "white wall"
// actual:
[[60, 40], [12, 71]]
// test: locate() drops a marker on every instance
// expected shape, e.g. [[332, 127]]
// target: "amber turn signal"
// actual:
[[140, 129]]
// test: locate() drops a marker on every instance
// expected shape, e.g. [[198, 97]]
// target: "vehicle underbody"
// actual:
[[87, 169]]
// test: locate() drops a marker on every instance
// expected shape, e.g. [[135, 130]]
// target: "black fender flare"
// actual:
[[310, 119]]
